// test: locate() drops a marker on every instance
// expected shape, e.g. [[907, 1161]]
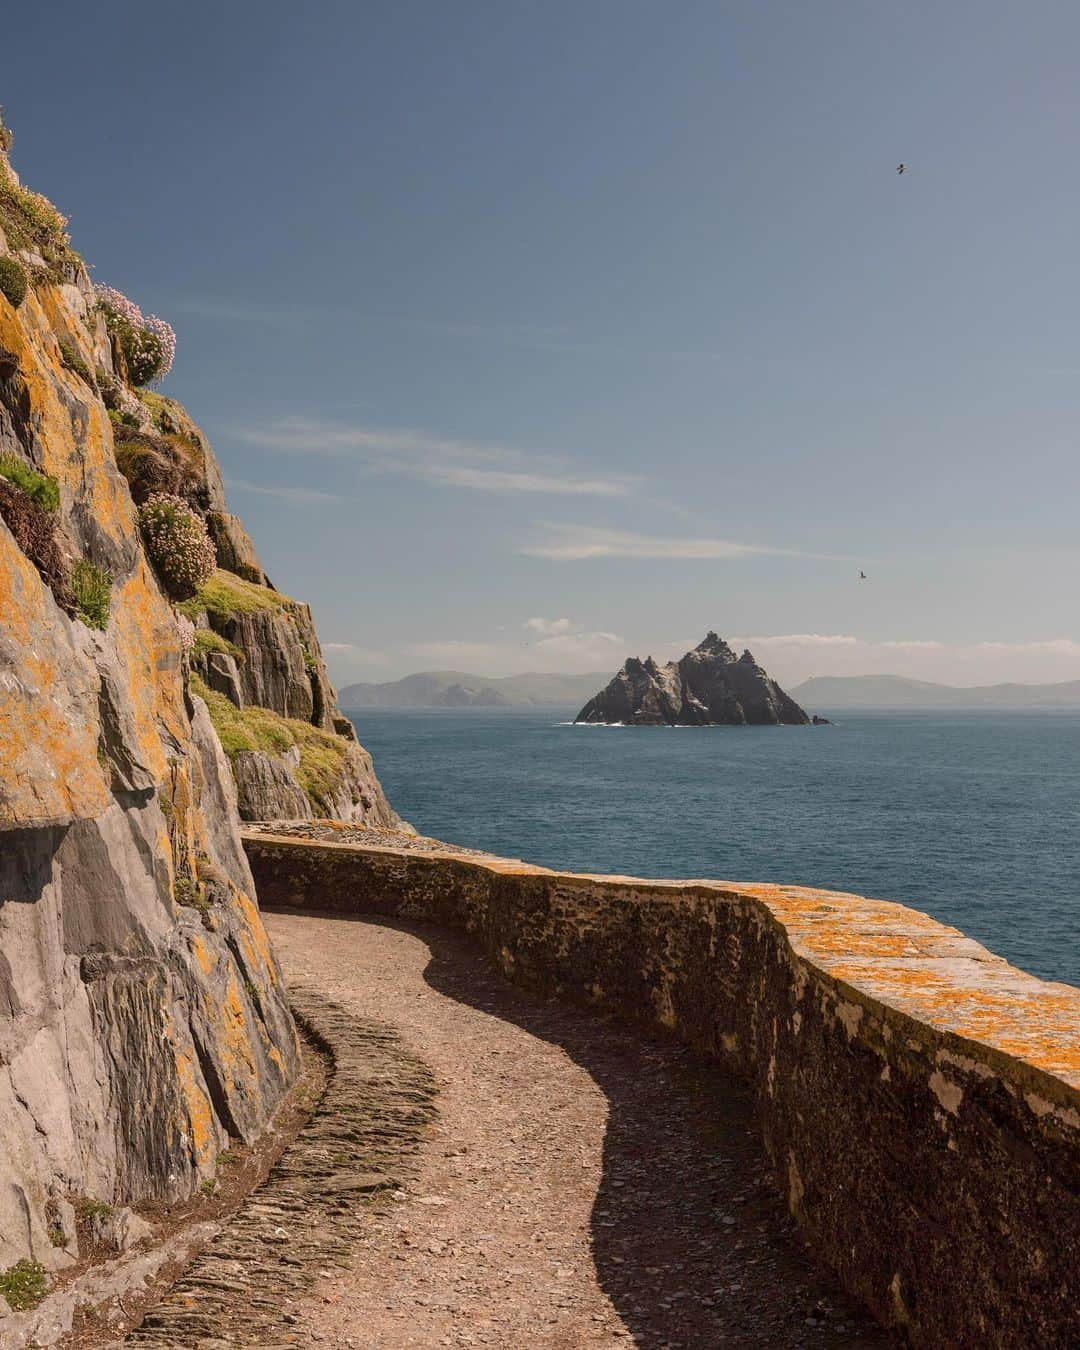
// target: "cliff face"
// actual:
[[142, 1016], [710, 686]]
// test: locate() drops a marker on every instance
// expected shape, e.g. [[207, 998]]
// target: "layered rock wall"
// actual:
[[143, 1022], [919, 1097]]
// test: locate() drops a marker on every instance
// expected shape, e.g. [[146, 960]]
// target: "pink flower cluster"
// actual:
[[186, 630], [114, 302], [178, 544]]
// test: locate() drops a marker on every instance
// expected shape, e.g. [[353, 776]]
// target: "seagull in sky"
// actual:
[[863, 576], [900, 168]]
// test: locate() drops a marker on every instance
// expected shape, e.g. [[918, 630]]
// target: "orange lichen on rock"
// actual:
[[49, 769]]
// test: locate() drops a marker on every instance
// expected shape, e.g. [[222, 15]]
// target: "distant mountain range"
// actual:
[[896, 691], [456, 689]]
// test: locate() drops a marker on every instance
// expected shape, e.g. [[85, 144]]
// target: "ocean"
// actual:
[[972, 817]]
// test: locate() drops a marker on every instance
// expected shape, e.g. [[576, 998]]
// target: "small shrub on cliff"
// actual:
[[34, 530], [147, 343], [12, 281], [153, 464], [177, 543], [42, 490], [92, 588], [23, 1285]]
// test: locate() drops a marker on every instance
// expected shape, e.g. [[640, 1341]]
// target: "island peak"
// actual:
[[709, 686]]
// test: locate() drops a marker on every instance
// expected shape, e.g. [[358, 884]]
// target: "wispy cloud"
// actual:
[[797, 640], [1050, 646], [566, 543], [545, 628], [476, 466], [554, 645], [302, 495]]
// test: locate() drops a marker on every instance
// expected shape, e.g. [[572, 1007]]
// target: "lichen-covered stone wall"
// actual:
[[919, 1097]]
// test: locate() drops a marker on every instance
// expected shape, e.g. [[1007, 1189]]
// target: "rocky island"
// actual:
[[709, 687]]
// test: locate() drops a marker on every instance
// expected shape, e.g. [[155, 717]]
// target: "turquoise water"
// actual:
[[972, 817]]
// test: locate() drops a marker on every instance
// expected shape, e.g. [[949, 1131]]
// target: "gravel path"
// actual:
[[581, 1185]]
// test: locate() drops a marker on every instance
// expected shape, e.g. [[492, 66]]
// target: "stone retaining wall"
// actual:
[[919, 1097]]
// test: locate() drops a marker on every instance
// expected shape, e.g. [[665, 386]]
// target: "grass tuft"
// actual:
[[92, 587]]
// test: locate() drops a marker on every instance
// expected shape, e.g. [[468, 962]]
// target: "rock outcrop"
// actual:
[[710, 686], [143, 1022]]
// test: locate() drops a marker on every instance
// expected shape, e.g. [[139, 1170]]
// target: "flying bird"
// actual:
[[863, 576], [900, 168]]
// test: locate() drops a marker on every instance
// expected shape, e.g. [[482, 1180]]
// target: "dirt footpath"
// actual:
[[583, 1185]]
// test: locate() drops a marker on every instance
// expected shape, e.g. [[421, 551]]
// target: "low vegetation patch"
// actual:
[[34, 530], [30, 221], [225, 594], [88, 1209], [12, 281], [92, 588], [23, 1285], [153, 464], [71, 360], [206, 640], [147, 343], [178, 545], [42, 490], [188, 892], [322, 754]]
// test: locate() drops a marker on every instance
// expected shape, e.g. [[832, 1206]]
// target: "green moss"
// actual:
[[322, 754], [12, 281], [206, 640], [92, 587], [42, 490], [23, 1285], [252, 991], [225, 594]]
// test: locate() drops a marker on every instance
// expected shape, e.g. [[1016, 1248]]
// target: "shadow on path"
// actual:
[[690, 1239]]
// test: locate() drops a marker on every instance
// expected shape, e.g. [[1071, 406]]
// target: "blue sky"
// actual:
[[534, 334]]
